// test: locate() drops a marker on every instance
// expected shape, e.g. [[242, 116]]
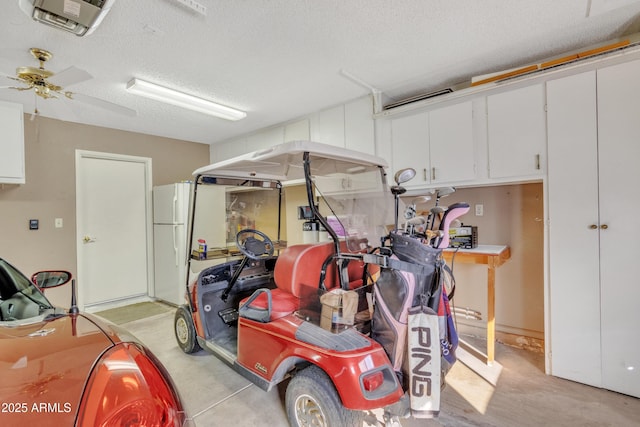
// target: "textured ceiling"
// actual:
[[281, 59]]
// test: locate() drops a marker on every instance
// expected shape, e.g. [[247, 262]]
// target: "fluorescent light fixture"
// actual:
[[180, 99]]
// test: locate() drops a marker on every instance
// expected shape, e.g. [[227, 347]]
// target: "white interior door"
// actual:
[[619, 151], [574, 258], [113, 227]]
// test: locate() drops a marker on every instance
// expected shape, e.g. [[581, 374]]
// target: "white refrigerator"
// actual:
[[170, 222]]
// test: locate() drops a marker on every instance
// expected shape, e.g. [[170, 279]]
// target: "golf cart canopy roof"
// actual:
[[283, 162]]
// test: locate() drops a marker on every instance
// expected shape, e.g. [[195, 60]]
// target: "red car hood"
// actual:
[[44, 368]]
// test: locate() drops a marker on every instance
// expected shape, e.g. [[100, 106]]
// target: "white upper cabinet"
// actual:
[[438, 144], [297, 131], [12, 169], [331, 126], [410, 147], [517, 132], [226, 150], [350, 126], [265, 138], [359, 134], [451, 145]]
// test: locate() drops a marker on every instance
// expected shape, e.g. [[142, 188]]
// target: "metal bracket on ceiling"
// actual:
[[375, 92]]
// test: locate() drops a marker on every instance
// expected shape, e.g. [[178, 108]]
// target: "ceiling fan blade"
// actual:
[[69, 76], [5, 81], [101, 103]]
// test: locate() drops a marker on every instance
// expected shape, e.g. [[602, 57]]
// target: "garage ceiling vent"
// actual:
[[80, 17], [417, 98]]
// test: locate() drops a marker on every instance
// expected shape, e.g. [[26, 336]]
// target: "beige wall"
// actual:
[[49, 191], [513, 216]]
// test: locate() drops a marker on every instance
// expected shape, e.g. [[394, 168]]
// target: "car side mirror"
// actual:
[[50, 279]]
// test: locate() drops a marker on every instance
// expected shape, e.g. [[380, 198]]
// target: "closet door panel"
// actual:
[[574, 257], [619, 152]]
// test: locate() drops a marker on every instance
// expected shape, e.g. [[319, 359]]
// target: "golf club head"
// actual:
[[420, 199], [444, 191], [436, 213], [404, 175], [411, 210]]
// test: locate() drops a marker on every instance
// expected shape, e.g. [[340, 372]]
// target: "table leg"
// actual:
[[491, 311]]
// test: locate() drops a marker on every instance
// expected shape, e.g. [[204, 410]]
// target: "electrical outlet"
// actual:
[[58, 222], [479, 210]]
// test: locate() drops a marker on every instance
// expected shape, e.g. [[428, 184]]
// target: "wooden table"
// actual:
[[493, 257]]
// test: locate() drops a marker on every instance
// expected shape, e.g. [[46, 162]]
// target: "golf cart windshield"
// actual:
[[346, 190], [352, 199]]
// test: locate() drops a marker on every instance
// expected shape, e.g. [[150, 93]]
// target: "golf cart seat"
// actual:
[[297, 278]]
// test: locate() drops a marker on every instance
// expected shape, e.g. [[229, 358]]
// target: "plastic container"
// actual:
[[202, 249]]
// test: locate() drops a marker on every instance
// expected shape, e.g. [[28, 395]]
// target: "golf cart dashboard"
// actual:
[[254, 272]]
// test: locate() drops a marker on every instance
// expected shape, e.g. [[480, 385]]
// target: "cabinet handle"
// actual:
[[424, 172], [593, 227], [537, 161], [433, 173], [604, 226]]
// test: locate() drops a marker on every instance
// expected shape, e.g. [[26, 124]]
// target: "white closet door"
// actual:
[[619, 153], [573, 234]]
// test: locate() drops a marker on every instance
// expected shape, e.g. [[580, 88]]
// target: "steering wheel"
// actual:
[[254, 248]]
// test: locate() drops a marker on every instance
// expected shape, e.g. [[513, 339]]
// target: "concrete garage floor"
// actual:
[[215, 395]]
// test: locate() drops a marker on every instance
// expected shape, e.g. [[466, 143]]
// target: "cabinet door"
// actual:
[[619, 151], [228, 150], [11, 144], [410, 147], [265, 138], [451, 145], [574, 285], [358, 126], [331, 126], [516, 132], [297, 131]]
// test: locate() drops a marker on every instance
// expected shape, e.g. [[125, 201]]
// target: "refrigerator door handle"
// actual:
[[175, 205], [175, 245]]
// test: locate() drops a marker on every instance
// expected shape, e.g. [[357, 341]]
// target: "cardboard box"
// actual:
[[339, 308]]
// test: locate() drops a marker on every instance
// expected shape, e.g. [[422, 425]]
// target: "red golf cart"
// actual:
[[274, 311]]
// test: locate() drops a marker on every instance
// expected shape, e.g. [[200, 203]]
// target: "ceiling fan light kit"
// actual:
[[36, 78], [47, 85], [183, 100]]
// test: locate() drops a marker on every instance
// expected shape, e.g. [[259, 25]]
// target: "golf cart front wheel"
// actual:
[[312, 401], [185, 331]]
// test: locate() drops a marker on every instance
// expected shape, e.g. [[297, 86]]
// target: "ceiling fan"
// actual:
[[47, 85]]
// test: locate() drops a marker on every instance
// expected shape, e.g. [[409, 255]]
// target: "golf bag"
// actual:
[[412, 320]]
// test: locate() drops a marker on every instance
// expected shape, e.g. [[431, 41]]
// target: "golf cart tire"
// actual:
[[312, 399], [185, 331]]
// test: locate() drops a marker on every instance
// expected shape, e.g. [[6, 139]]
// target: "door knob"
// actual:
[[593, 226], [604, 226], [88, 239]]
